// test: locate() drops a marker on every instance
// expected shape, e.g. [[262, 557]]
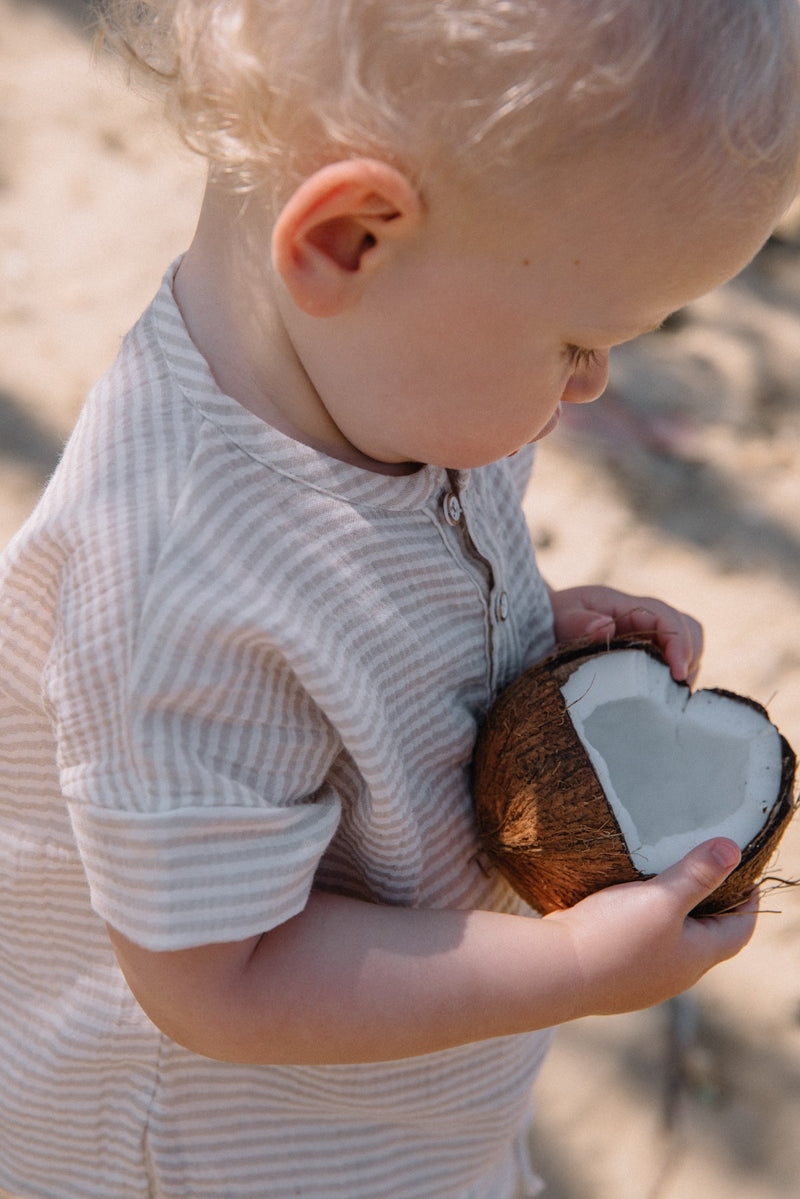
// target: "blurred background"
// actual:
[[684, 482]]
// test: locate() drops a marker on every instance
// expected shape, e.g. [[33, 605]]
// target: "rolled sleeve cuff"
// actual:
[[194, 876]]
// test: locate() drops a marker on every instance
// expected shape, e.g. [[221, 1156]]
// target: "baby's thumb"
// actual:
[[695, 876]]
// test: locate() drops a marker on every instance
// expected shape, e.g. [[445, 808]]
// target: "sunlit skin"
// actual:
[[473, 358], [457, 331]]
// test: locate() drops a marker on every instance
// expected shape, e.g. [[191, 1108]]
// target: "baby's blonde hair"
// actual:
[[271, 89]]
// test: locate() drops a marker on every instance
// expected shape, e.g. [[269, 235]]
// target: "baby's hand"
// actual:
[[600, 613], [635, 945]]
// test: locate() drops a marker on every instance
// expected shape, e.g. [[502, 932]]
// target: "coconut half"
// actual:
[[595, 767]]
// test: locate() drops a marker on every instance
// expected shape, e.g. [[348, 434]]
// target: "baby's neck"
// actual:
[[227, 302]]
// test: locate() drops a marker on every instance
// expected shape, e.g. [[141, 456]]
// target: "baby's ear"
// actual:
[[337, 228]]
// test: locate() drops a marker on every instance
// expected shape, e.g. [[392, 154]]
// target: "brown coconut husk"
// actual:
[[543, 817]]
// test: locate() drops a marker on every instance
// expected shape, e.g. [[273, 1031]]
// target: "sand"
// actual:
[[684, 482]]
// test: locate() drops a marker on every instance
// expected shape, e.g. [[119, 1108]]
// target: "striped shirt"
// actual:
[[233, 668]]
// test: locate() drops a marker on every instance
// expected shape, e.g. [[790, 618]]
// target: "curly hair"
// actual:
[[269, 89]]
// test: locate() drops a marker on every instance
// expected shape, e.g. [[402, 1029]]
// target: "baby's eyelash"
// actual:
[[581, 359]]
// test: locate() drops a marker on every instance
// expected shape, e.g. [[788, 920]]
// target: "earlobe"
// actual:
[[337, 228]]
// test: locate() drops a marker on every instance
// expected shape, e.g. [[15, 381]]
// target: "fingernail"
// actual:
[[726, 854], [601, 625]]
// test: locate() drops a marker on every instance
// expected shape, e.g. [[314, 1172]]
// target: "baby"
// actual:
[[247, 637]]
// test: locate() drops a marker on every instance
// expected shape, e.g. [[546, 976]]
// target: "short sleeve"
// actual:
[[195, 766]]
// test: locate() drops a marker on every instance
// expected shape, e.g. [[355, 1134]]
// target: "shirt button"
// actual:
[[451, 507], [501, 606]]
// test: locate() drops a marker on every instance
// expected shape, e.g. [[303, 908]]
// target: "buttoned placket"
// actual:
[[455, 513]]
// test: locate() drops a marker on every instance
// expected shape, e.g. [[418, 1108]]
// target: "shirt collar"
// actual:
[[266, 444]]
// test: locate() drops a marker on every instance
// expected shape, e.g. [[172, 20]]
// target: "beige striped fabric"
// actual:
[[231, 669]]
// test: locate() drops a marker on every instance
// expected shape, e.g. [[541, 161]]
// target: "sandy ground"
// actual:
[[684, 482]]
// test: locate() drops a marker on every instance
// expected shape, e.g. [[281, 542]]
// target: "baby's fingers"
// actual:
[[678, 635], [682, 648], [727, 933]]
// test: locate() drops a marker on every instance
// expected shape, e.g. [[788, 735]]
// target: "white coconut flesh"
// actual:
[[676, 767]]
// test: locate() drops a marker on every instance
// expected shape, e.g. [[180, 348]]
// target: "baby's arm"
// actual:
[[599, 613], [347, 981]]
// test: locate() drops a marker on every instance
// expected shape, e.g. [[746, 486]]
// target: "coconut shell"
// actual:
[[542, 814]]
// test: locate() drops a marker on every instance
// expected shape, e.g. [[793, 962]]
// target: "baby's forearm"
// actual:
[[347, 981], [384, 983]]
